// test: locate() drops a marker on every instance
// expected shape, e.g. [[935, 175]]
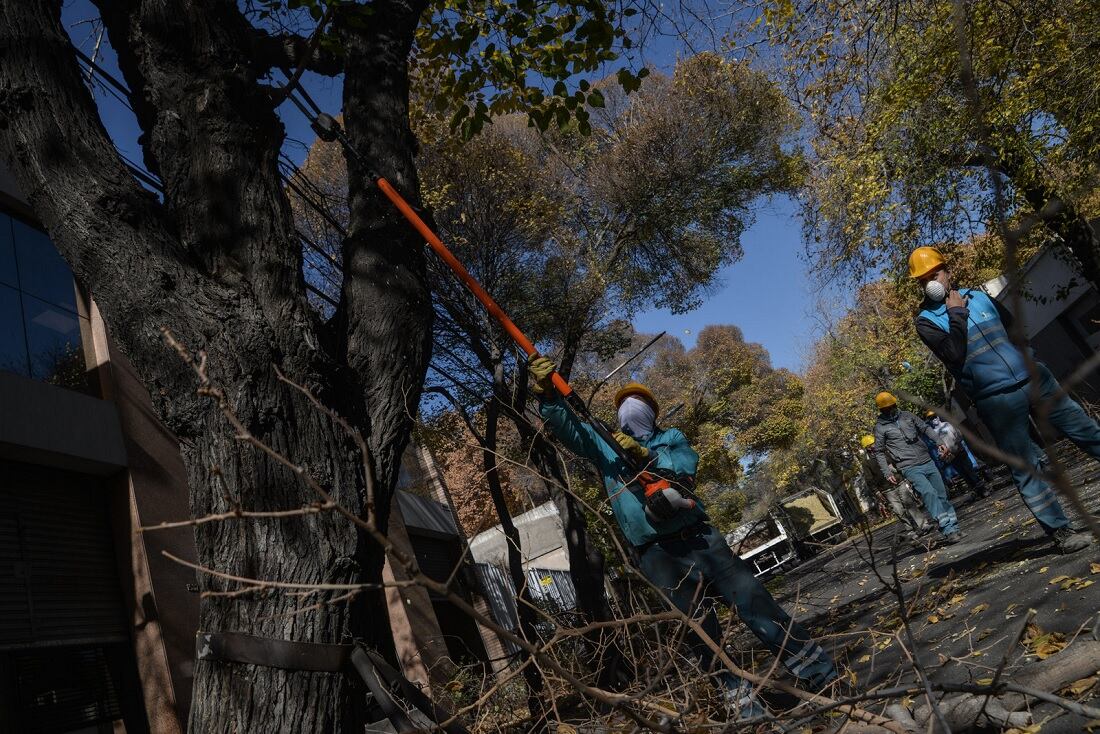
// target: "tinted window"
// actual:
[[42, 272], [13, 343], [53, 338], [8, 273]]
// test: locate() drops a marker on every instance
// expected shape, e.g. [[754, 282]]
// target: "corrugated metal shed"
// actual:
[[553, 588]]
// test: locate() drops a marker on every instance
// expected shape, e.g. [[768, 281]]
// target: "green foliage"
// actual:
[[898, 150], [486, 58]]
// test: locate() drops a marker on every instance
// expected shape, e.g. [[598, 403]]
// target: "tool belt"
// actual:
[[380, 678]]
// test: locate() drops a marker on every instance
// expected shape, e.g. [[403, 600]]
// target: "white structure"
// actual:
[[1060, 312], [541, 539]]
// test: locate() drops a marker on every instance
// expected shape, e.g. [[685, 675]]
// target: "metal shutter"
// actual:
[[62, 689], [58, 573]]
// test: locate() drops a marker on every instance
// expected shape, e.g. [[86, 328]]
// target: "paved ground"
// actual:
[[968, 601]]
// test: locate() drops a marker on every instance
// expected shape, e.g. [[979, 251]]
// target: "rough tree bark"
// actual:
[[217, 263]]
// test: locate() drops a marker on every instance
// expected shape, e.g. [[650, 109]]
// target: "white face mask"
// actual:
[[935, 290], [637, 417]]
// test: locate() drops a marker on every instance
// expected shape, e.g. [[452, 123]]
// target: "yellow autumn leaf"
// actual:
[[1050, 646], [1033, 729], [932, 619], [1077, 687], [864, 659], [979, 609], [1094, 567], [1058, 579], [984, 681], [1044, 569]]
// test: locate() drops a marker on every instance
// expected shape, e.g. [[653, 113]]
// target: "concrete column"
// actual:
[[160, 594], [416, 634]]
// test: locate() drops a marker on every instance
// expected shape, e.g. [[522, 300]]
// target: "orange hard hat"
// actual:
[[924, 260], [639, 390], [885, 400]]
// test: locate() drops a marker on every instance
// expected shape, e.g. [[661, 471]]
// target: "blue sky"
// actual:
[[767, 293]]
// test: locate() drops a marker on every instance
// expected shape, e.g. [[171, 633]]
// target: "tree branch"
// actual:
[[289, 51]]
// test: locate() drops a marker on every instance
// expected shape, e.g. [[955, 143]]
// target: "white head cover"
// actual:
[[637, 417]]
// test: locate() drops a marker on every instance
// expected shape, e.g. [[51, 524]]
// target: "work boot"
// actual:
[[953, 537], [1068, 540], [742, 704]]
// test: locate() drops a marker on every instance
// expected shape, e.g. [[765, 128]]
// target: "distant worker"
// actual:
[[968, 332], [899, 448], [959, 460], [898, 497], [679, 550]]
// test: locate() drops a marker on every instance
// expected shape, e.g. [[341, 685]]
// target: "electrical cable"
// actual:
[[121, 93]]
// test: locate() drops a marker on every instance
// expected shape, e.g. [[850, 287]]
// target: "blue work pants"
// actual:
[[692, 571], [928, 482], [1007, 413]]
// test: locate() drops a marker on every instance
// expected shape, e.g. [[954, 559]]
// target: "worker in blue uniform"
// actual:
[[679, 551], [968, 331]]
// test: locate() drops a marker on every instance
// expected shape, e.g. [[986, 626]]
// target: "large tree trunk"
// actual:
[[218, 264], [320, 548]]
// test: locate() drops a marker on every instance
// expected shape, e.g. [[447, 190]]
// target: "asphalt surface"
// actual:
[[967, 602]]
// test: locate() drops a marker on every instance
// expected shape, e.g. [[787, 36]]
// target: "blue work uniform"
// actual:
[[685, 556], [974, 345]]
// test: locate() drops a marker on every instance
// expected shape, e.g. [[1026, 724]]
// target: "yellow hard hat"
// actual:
[[885, 400], [866, 441], [929, 413], [639, 390], [923, 261]]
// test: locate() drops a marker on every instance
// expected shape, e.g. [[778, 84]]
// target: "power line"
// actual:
[[120, 92]]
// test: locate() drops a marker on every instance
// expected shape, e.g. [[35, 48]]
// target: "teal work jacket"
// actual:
[[669, 450]]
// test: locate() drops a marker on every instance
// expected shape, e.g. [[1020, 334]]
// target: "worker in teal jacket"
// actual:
[[678, 549]]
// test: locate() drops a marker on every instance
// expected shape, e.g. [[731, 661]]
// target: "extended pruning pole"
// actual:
[[464, 275], [328, 129], [572, 400]]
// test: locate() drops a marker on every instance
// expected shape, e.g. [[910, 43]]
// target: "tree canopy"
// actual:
[[903, 147]]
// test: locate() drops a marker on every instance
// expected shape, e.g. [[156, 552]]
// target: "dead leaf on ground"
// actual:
[[1078, 687], [1071, 583], [864, 659], [979, 609], [1094, 568], [1033, 729], [1043, 644]]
